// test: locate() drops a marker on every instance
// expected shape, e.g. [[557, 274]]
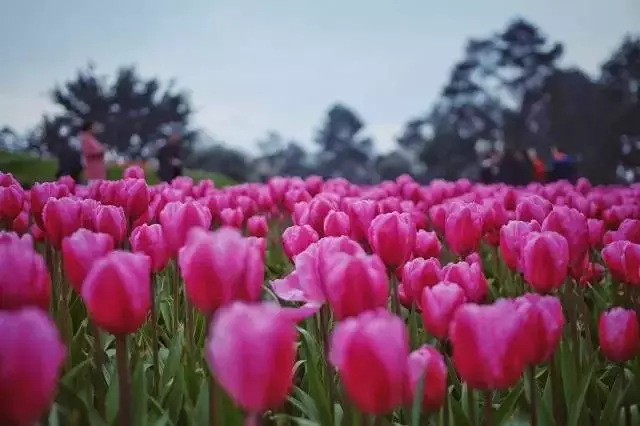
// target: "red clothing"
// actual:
[[93, 156], [539, 171]]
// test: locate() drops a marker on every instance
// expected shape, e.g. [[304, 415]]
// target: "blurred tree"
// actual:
[[133, 110], [220, 159], [343, 151], [483, 99], [280, 158]]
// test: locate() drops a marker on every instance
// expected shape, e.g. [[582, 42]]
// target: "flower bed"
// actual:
[[311, 302]]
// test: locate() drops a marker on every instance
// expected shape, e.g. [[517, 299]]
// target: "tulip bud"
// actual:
[[392, 236], [178, 218], [427, 245], [295, 239], [232, 217], [618, 333], [258, 226], [533, 207], [117, 291], [149, 240], [544, 323], [545, 260], [111, 220], [464, 228], [79, 252], [259, 339], [336, 224], [374, 338], [24, 278], [32, 354], [61, 218], [419, 273], [468, 276], [428, 364], [487, 343], [572, 225], [439, 304], [220, 267], [512, 238], [354, 284]]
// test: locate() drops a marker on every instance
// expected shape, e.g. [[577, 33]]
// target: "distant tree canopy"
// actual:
[[133, 110], [508, 89]]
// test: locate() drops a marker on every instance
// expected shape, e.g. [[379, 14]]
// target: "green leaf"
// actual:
[[112, 401], [52, 418], [416, 407], [76, 370], [508, 405], [458, 415], [172, 365], [577, 404], [612, 406], [305, 404], [201, 410], [140, 397]]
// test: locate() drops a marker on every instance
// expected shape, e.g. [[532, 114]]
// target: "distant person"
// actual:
[[488, 168], [539, 170], [170, 157], [69, 162], [92, 152], [564, 166], [514, 168]]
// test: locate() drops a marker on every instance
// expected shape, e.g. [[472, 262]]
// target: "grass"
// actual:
[[29, 169]]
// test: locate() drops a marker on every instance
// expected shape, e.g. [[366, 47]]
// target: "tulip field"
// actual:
[[319, 302]]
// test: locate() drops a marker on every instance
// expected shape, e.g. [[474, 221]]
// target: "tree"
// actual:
[[134, 110], [343, 150], [484, 97]]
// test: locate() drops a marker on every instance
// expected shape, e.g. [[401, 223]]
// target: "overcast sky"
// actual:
[[259, 65]]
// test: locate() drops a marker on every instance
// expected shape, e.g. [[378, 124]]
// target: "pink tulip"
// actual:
[[439, 304], [32, 354], [79, 252], [258, 226], [545, 260], [61, 218], [619, 334], [355, 284], [111, 220], [117, 291], [418, 274], [512, 239], [220, 267], [572, 225], [545, 323], [392, 237], [336, 224], [24, 278], [468, 276], [489, 344], [251, 352], [464, 228], [149, 240], [296, 239], [361, 214], [533, 207], [370, 353], [178, 218], [427, 245], [428, 364], [232, 217]]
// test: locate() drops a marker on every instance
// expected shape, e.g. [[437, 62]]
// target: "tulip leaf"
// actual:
[[140, 397], [52, 418], [112, 401], [612, 406], [305, 404], [458, 414], [416, 407], [508, 405], [172, 364], [577, 404]]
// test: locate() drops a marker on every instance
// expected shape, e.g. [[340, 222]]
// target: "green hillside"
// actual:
[[29, 169]]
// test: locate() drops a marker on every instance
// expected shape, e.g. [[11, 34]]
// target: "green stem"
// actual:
[[99, 385], [533, 390], [488, 407], [124, 381], [472, 407], [556, 397], [627, 407], [176, 296], [154, 337], [213, 387], [571, 307], [395, 301], [326, 326]]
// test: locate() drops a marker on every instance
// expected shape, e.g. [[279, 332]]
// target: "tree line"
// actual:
[[507, 90]]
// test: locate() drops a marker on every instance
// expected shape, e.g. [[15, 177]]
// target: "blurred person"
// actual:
[[92, 152], [488, 167], [69, 162], [170, 157], [514, 168], [564, 166], [539, 170]]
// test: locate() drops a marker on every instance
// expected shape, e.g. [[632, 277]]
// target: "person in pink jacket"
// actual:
[[92, 152]]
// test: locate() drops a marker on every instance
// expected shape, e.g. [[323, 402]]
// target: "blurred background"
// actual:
[[364, 89]]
